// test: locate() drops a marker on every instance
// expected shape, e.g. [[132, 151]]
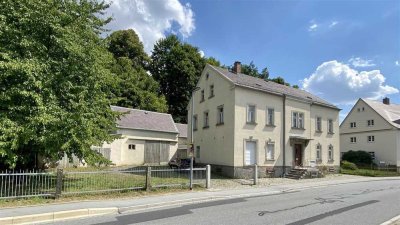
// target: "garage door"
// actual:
[[156, 152], [250, 153]]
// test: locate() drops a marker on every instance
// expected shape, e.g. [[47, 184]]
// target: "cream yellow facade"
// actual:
[[356, 134], [225, 144]]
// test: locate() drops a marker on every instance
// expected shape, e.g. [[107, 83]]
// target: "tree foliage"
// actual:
[[134, 87], [53, 80], [177, 67]]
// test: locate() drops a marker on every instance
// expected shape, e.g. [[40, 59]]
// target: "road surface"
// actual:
[[361, 203]]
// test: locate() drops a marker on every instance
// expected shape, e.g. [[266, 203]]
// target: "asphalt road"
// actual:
[[356, 203]]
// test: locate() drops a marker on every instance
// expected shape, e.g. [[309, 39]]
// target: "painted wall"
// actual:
[[216, 142]]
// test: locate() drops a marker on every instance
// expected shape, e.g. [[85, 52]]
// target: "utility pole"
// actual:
[[191, 137]]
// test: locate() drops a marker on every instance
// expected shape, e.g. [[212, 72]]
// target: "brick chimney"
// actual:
[[237, 67], [386, 101]]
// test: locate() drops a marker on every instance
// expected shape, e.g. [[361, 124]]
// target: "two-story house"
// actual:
[[374, 127], [239, 120]]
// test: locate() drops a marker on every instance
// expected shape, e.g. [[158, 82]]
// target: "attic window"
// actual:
[[207, 76], [131, 147]]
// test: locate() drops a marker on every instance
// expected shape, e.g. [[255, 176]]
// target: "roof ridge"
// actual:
[[142, 110]]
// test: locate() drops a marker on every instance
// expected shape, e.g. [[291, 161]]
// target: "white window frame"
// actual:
[[330, 126], [220, 114], [298, 120], [318, 124], [131, 146], [253, 119], [353, 124], [211, 91], [318, 148], [370, 123], [353, 140], [202, 98], [195, 121], [330, 152], [270, 116], [271, 156], [206, 119], [371, 138]]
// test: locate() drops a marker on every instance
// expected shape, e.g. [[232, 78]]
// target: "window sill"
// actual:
[[206, 127], [318, 131], [270, 125], [251, 123], [219, 124], [330, 160], [269, 160], [331, 133], [211, 96], [298, 128]]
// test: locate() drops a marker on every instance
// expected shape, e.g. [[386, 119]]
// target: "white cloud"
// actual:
[[333, 23], [201, 53], [359, 62], [340, 84], [397, 63], [313, 26], [151, 19]]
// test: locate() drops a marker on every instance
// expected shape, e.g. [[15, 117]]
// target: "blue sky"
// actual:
[[339, 50]]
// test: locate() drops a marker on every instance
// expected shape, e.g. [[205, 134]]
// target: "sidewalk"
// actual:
[[52, 212]]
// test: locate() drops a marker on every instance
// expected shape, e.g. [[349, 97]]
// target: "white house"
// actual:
[[374, 127], [239, 120]]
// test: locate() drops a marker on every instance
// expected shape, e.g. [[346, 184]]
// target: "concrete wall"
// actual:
[[386, 144]]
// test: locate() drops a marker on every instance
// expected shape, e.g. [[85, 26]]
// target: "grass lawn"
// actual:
[[370, 173]]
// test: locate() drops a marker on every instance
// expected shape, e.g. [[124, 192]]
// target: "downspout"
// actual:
[[284, 136]]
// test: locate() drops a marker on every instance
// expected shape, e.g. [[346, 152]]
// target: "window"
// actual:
[[131, 147], [358, 109], [211, 91], [194, 122], [353, 139], [353, 125], [371, 138], [318, 152], [251, 114], [370, 123], [318, 124], [330, 126], [202, 96], [206, 120], [330, 152], [270, 151], [207, 76], [198, 152], [270, 116], [363, 109], [298, 120], [220, 114]]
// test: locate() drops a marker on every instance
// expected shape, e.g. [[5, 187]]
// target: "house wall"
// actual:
[[121, 155], [216, 142], [386, 144]]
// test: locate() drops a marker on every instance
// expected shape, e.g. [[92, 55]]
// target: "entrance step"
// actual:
[[296, 174]]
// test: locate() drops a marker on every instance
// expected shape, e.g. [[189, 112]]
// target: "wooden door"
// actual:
[[298, 155]]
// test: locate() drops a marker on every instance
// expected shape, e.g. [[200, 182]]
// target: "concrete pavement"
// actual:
[[53, 212]]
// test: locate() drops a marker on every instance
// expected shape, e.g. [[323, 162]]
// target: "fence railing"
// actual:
[[34, 183]]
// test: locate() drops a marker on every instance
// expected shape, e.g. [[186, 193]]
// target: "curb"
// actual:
[[56, 216], [392, 221]]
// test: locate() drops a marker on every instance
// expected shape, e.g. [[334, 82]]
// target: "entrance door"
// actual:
[[250, 153], [298, 155]]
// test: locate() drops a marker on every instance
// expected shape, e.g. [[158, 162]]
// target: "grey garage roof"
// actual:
[[247, 81], [145, 120], [183, 129]]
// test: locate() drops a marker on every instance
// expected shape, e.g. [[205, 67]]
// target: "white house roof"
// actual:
[[145, 120], [391, 113], [183, 129], [247, 81]]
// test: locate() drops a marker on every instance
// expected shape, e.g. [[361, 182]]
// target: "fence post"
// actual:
[[208, 176], [148, 179], [59, 183], [255, 174]]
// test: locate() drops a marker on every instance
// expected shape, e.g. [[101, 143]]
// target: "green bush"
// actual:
[[348, 165], [360, 158]]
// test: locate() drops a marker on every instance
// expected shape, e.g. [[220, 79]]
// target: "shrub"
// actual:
[[360, 158], [348, 165]]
